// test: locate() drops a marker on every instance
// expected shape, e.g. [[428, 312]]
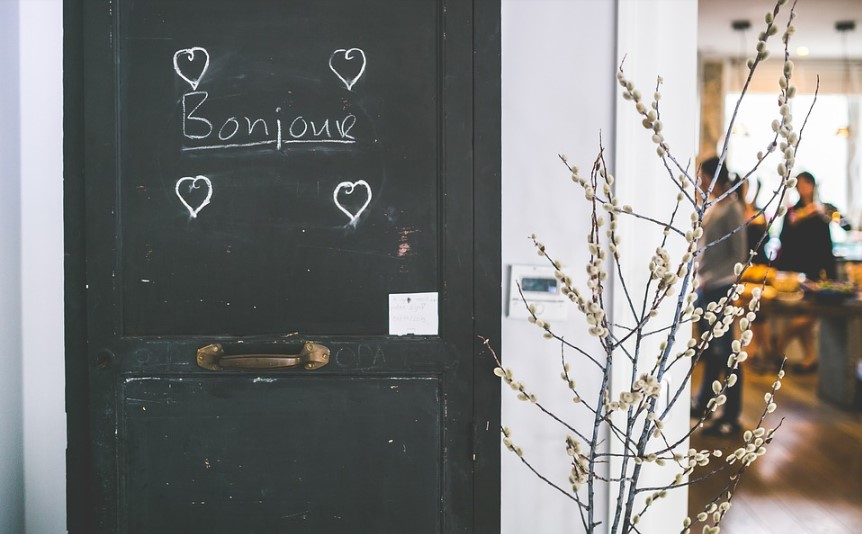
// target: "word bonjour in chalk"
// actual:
[[189, 70], [243, 131], [193, 183], [349, 57], [349, 187]]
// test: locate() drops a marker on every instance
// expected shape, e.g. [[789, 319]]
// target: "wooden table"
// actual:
[[839, 344]]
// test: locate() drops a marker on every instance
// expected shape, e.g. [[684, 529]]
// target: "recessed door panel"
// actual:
[[276, 171], [276, 453]]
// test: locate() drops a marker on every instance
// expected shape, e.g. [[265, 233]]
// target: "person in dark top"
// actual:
[[806, 247]]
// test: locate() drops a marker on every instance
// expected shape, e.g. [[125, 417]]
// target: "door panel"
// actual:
[[191, 445], [259, 174], [272, 129]]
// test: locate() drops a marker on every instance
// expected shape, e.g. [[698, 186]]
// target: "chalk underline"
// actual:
[[271, 142]]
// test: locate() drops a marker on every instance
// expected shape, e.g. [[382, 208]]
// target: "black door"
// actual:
[[282, 243]]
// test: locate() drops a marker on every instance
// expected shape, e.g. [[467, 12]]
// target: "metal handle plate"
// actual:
[[212, 357]]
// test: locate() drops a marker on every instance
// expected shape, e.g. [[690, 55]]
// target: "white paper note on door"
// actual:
[[413, 313]]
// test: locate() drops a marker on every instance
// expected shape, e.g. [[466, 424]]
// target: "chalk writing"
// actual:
[[209, 131], [349, 57], [190, 117], [348, 189], [189, 70], [242, 131], [193, 184], [359, 356]]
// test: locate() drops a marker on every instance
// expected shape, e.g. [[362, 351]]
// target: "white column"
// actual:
[[11, 425], [559, 94], [558, 62], [41, 31], [657, 38]]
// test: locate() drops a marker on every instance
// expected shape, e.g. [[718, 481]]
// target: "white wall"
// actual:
[[11, 429], [559, 93], [41, 30]]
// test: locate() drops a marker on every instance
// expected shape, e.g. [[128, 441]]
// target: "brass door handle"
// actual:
[[312, 356]]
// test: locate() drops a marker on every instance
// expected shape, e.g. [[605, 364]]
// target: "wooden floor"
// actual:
[[809, 481]]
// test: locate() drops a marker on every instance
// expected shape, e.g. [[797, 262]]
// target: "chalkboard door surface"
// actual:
[[282, 243]]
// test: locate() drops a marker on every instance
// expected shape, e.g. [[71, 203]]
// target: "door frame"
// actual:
[[486, 282]]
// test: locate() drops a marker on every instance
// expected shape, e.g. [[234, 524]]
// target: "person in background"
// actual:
[[716, 276], [757, 228], [806, 247], [806, 244], [761, 348]]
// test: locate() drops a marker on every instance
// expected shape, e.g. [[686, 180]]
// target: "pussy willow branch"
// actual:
[[757, 59], [654, 221], [782, 190], [643, 418], [537, 404], [642, 442], [535, 318], [785, 94], [612, 427], [733, 481], [644, 437], [616, 257], [597, 290], [573, 496], [631, 421]]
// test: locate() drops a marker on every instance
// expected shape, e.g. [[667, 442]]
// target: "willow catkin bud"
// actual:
[[793, 138]]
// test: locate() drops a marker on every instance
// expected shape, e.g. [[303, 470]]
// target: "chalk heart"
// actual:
[[194, 192], [349, 188], [191, 64], [348, 64]]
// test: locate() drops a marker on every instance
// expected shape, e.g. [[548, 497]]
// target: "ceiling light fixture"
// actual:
[[739, 25]]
